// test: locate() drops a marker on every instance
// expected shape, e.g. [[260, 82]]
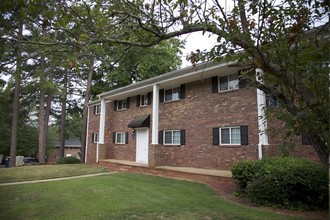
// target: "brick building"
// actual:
[[71, 149], [202, 117]]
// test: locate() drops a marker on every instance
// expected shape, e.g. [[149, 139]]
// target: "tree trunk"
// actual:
[[41, 122], [41, 119], [47, 114], [17, 77], [63, 115], [85, 110]]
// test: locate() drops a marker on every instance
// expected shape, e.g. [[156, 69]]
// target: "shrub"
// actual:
[[244, 172], [284, 182], [68, 160]]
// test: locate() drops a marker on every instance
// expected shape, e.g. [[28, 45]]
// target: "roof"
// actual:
[[171, 79], [69, 143]]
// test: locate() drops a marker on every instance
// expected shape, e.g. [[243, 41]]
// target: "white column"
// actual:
[[155, 112], [102, 122], [262, 122]]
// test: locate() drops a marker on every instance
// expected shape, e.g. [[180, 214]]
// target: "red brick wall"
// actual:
[[93, 127], [198, 113], [117, 121], [276, 145]]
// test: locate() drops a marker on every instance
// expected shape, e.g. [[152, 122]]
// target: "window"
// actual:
[[122, 104], [172, 137], [229, 82], [305, 140], [97, 109], [95, 137], [230, 135], [120, 137], [271, 102], [172, 94], [144, 100]]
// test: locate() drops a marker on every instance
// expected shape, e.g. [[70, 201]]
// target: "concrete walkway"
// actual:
[[192, 170], [55, 179], [208, 172]]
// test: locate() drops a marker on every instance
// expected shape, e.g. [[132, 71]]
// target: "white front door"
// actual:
[[142, 142]]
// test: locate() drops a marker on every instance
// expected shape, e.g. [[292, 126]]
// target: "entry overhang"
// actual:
[[140, 121]]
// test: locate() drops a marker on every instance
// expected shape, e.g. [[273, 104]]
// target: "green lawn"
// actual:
[[121, 196], [40, 172]]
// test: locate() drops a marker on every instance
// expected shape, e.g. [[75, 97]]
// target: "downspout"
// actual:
[[262, 123], [97, 152], [86, 150]]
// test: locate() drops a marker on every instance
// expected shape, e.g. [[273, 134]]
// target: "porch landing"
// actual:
[[191, 170]]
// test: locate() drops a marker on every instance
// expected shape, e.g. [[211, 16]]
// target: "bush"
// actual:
[[245, 172], [283, 182], [68, 160]]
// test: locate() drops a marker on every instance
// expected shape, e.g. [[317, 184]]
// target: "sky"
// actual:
[[196, 41]]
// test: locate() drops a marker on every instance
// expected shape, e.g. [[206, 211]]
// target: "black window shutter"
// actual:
[[161, 96], [160, 137], [182, 91], [149, 98], [128, 100], [126, 137], [94, 109], [93, 138], [138, 97], [182, 137], [241, 82], [215, 84], [216, 136], [305, 140], [115, 105], [244, 135], [114, 137]]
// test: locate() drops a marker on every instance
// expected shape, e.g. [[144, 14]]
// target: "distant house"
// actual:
[[71, 149]]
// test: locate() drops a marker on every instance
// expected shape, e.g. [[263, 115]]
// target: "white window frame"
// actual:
[[230, 135], [96, 138], [122, 139], [122, 104], [177, 91], [144, 100], [230, 82], [172, 137], [97, 109]]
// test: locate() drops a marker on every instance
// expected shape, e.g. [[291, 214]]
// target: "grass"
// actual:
[[121, 196], [41, 172]]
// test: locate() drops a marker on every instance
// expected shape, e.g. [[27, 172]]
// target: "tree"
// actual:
[[15, 18], [86, 21], [284, 39], [136, 64]]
